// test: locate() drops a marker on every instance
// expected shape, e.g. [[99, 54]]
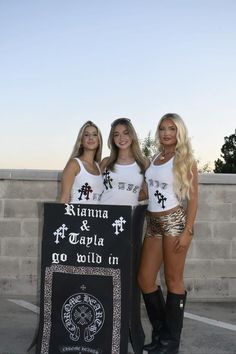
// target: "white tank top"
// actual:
[[159, 179], [87, 188], [122, 185]]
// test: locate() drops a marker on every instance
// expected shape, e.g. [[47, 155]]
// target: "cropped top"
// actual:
[[159, 179], [122, 186], [87, 188]]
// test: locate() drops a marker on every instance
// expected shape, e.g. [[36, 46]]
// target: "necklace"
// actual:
[[164, 154]]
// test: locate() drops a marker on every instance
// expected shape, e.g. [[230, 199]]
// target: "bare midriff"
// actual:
[[164, 212]]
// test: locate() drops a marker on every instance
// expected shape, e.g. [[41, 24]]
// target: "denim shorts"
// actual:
[[171, 224]]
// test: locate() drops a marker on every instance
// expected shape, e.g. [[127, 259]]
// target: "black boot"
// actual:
[[155, 305], [170, 334]]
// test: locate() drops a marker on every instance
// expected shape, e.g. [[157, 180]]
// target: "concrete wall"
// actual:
[[210, 271]]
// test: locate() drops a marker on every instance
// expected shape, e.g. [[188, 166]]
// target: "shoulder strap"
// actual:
[[155, 157], [97, 164], [80, 163]]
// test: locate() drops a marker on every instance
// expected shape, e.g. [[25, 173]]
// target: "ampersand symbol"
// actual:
[[84, 226]]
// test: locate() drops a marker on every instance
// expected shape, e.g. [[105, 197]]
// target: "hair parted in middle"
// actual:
[[183, 159], [135, 147], [78, 147]]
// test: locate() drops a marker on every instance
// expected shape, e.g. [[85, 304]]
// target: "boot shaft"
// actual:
[[175, 304], [155, 305]]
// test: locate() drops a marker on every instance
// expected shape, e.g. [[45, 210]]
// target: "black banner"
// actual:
[[89, 297]]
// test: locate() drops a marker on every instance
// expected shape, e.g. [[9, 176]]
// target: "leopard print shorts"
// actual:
[[166, 225]]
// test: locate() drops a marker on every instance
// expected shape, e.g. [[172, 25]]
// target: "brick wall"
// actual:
[[211, 263]]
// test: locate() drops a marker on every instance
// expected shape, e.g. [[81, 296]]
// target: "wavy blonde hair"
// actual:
[[135, 147], [183, 159], [78, 147]]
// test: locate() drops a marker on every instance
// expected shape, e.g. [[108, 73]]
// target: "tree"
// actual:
[[228, 154], [148, 146]]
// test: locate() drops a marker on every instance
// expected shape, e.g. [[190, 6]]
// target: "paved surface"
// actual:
[[209, 328]]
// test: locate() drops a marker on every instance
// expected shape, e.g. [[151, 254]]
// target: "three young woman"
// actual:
[[171, 179]]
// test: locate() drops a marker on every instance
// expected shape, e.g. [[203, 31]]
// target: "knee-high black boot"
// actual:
[[169, 340], [155, 305]]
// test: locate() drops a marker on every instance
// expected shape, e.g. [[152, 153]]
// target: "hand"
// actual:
[[182, 243]]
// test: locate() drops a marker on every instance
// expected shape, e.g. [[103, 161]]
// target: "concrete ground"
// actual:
[[209, 328]]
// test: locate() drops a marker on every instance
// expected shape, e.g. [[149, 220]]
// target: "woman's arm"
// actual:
[[103, 164], [192, 203], [143, 193], [68, 175], [191, 211]]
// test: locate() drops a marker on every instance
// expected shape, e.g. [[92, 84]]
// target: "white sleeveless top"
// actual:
[[122, 186], [87, 188], [159, 179]]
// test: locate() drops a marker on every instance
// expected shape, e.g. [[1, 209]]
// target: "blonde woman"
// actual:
[[171, 179], [81, 178], [124, 169]]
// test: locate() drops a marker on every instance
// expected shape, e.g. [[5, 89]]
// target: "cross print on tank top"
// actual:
[[161, 199], [85, 191]]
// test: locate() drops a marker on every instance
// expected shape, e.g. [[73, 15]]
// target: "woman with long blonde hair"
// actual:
[[171, 179], [81, 180]]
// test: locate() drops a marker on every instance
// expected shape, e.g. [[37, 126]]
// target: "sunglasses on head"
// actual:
[[120, 121]]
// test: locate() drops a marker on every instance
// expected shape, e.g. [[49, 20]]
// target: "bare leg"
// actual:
[[150, 263], [174, 265]]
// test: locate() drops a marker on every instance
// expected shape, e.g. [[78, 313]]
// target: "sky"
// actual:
[[63, 62]]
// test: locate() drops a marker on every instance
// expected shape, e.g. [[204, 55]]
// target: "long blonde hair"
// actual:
[[78, 147], [137, 153], [183, 159]]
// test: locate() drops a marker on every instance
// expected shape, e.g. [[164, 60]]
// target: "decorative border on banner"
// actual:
[[110, 272]]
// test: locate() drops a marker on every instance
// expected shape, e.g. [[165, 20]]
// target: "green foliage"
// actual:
[[229, 156], [148, 146]]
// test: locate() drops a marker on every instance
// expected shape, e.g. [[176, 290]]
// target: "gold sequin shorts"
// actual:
[[166, 225]]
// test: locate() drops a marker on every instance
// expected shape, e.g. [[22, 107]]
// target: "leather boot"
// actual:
[[169, 340], [155, 306]]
